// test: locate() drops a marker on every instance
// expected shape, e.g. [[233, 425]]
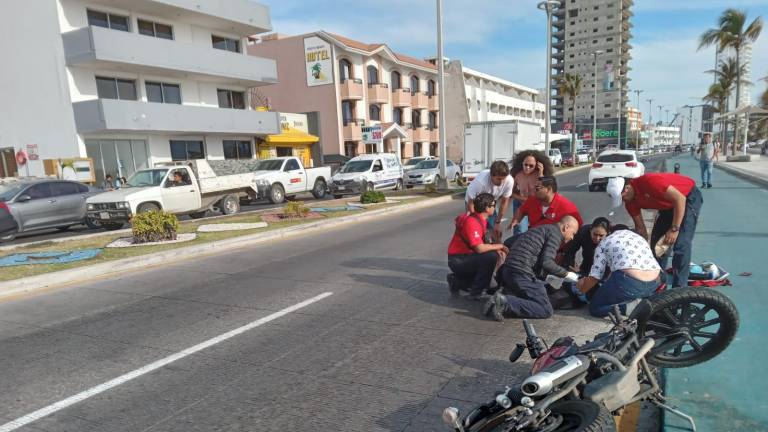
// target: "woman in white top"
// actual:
[[635, 273]]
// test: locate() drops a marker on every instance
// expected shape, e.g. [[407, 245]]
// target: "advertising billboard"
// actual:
[[318, 61]]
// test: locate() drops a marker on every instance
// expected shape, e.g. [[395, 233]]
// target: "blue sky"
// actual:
[[507, 38]]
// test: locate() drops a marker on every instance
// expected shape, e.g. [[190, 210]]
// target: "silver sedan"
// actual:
[[428, 172]]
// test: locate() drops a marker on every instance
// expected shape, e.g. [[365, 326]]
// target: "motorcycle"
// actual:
[[572, 387]]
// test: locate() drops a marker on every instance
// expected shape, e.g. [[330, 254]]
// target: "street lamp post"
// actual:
[[441, 95], [650, 111], [594, 107], [637, 139], [547, 6], [660, 107], [667, 111]]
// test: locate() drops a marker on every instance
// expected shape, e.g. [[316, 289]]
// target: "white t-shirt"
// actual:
[[707, 151], [482, 183], [623, 250]]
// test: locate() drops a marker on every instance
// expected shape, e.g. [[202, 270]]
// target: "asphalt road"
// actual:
[[156, 351]]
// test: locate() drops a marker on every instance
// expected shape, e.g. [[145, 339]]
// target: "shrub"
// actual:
[[295, 209], [430, 188], [372, 197], [154, 226]]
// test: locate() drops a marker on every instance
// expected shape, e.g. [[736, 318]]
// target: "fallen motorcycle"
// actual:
[[572, 387]]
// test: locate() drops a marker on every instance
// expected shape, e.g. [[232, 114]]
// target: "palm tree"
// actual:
[[570, 85], [727, 75], [732, 32], [718, 97]]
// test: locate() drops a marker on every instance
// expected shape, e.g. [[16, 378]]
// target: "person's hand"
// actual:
[[671, 237], [505, 250], [540, 168], [512, 225], [497, 232], [572, 277]]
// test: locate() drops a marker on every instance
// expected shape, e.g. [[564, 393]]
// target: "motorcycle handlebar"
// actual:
[[529, 331]]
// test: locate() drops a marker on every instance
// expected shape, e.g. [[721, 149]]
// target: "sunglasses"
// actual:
[[529, 166]]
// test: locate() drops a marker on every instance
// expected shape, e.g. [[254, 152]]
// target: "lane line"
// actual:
[[50, 409], [581, 185]]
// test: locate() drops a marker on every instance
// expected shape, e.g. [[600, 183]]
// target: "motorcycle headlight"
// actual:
[[90, 207], [451, 417]]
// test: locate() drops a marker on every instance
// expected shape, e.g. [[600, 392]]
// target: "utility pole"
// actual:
[[548, 6], [637, 139], [660, 120], [650, 111], [594, 106], [441, 95]]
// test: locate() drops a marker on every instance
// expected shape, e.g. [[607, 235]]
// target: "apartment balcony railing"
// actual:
[[378, 93], [433, 103], [419, 100], [401, 97], [351, 89]]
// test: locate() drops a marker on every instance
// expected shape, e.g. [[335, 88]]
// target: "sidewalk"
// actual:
[[727, 393], [755, 170]]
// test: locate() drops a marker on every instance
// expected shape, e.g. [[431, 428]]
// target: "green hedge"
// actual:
[[154, 226], [372, 197]]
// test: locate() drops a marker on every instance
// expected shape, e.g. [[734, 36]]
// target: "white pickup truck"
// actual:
[[189, 187], [283, 177]]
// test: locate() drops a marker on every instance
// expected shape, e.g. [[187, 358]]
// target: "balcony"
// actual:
[[352, 130], [107, 49], [351, 88], [433, 103], [419, 100], [111, 115], [420, 134], [378, 93], [401, 97]]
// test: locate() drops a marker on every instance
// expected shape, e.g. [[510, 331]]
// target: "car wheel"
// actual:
[[318, 191], [276, 194], [147, 207], [592, 188], [230, 204], [92, 223], [8, 237]]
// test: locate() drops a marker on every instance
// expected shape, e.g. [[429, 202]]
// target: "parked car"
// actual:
[[378, 171], [583, 156], [8, 225], [428, 172], [283, 177], [568, 159], [412, 162], [617, 163], [44, 203], [556, 157]]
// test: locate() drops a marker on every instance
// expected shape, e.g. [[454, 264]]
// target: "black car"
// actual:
[[8, 225]]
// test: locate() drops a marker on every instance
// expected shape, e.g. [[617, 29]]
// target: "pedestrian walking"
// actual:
[[708, 154], [471, 260], [545, 206], [527, 167], [678, 201], [497, 182]]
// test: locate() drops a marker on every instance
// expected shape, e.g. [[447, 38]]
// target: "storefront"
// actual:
[[290, 142]]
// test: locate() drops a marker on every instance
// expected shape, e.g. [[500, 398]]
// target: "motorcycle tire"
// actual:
[[566, 416], [681, 321]]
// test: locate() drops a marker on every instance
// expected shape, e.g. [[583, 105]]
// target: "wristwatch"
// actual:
[[675, 228]]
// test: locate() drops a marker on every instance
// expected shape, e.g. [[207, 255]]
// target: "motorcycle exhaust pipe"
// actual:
[[553, 375]]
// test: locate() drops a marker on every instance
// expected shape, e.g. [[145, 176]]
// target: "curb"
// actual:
[[744, 175], [125, 265]]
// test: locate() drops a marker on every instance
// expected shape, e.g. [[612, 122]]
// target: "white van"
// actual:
[[378, 171]]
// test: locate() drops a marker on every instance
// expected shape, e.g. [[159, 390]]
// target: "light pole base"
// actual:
[[442, 184]]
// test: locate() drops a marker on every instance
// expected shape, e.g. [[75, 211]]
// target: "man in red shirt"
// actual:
[[471, 260], [546, 206], [678, 201]]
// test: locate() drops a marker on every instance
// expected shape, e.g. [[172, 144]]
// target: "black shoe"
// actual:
[[709, 185], [452, 286], [494, 307], [703, 186]]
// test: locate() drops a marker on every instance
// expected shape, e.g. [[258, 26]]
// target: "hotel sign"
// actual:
[[318, 61]]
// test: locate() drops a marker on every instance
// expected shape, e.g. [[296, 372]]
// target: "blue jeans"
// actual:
[[528, 298], [619, 289], [681, 262], [523, 225], [706, 171]]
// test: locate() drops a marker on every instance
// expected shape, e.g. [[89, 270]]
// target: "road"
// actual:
[[387, 350]]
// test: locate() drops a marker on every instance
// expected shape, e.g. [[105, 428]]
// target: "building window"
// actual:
[[414, 84], [416, 149], [186, 150], [231, 99], [597, 7], [415, 119], [610, 28], [225, 44], [395, 80], [149, 28], [347, 112], [594, 30], [572, 34], [350, 149], [595, 18], [235, 149], [114, 88], [431, 88], [610, 39], [594, 41], [163, 93], [607, 116], [370, 148], [432, 120], [374, 112], [573, 22], [345, 70], [573, 13], [397, 116], [610, 50], [607, 105], [373, 75], [108, 20]]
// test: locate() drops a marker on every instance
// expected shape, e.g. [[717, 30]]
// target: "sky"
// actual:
[[507, 38]]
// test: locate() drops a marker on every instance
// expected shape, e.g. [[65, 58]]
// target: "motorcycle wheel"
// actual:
[[566, 416], [689, 325]]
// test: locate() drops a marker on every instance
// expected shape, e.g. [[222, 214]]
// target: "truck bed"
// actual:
[[216, 176]]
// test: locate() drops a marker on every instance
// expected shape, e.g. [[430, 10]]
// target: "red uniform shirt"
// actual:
[[650, 191], [470, 232], [559, 207]]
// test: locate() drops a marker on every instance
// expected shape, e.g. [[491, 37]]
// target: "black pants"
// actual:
[[528, 297], [474, 271], [684, 244]]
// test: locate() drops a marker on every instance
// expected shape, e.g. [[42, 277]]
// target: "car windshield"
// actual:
[[427, 164], [615, 157], [415, 161], [565, 155], [8, 191], [269, 165], [357, 166], [151, 177]]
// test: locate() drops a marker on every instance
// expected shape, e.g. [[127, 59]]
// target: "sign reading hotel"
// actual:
[[318, 61], [372, 134]]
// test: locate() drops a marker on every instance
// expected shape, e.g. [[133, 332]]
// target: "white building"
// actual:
[[664, 136], [133, 83]]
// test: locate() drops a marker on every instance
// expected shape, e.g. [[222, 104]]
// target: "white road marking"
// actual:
[[581, 185], [50, 409]]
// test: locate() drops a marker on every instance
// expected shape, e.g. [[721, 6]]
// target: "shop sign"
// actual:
[[318, 61], [372, 134], [32, 152]]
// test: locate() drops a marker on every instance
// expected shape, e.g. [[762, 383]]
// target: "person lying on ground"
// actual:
[[586, 240], [471, 260], [497, 182], [531, 258], [634, 272], [546, 206]]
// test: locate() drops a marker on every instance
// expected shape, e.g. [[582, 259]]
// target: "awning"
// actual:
[[750, 109], [291, 136]]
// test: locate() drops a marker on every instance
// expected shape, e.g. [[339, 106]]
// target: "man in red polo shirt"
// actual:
[[678, 201], [471, 260], [546, 206]]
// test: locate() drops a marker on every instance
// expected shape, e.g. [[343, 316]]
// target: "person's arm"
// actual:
[[586, 284], [503, 206], [470, 206], [549, 252], [487, 247], [597, 270], [640, 225], [472, 191], [571, 249], [678, 212]]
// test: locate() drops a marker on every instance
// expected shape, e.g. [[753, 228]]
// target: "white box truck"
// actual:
[[486, 142]]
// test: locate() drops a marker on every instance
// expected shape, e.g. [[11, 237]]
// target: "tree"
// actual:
[[732, 32], [727, 74], [570, 85], [718, 97]]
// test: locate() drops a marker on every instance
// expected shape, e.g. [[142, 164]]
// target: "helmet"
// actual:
[[711, 270]]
